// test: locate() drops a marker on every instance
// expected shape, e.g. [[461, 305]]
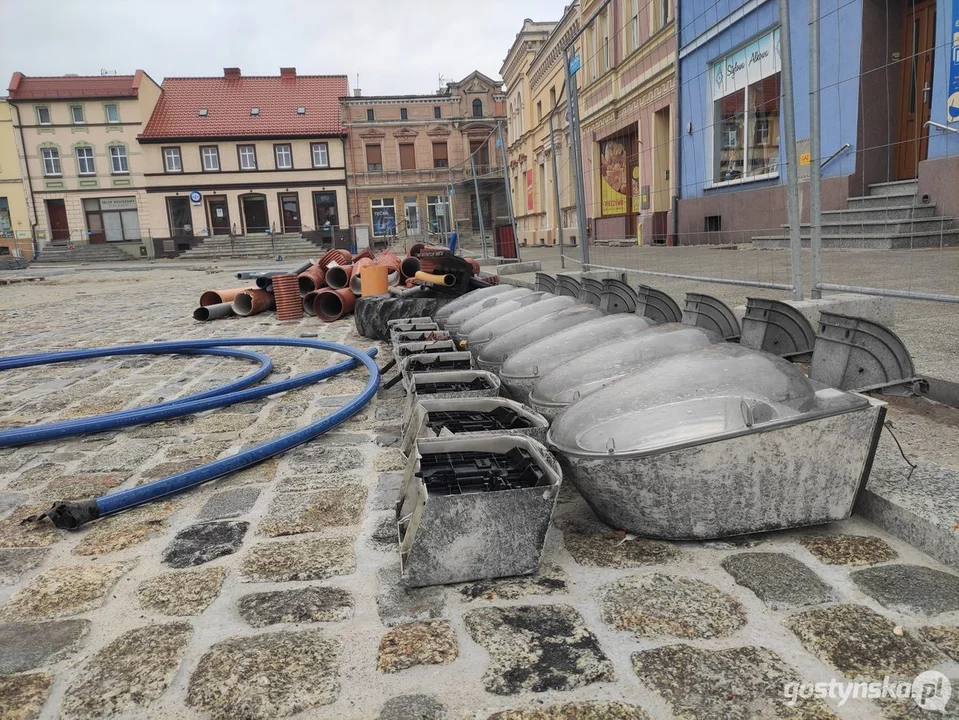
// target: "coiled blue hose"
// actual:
[[72, 515]]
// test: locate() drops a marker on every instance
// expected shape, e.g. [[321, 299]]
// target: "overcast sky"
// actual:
[[396, 46]]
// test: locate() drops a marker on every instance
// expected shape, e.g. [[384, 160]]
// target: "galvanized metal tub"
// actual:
[[453, 322], [478, 338], [474, 296], [723, 441]]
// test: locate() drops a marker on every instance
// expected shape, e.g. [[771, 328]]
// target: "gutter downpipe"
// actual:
[[677, 22], [33, 200]]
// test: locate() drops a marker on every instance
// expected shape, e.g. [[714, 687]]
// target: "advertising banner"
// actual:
[[952, 102], [614, 174]]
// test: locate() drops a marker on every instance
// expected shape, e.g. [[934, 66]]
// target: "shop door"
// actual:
[[915, 86], [59, 227], [291, 213], [219, 216], [411, 212], [255, 217]]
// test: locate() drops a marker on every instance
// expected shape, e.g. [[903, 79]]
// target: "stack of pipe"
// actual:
[[326, 288]]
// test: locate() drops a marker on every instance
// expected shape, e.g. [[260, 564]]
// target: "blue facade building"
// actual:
[[887, 68]]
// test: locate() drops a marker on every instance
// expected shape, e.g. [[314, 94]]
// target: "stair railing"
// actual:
[[840, 151]]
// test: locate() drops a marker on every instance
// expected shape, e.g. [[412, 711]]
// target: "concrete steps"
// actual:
[[253, 246], [81, 254], [886, 219]]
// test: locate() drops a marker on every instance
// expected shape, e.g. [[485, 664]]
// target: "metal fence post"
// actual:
[[572, 105], [479, 205], [559, 209], [792, 169], [501, 141], [815, 150]]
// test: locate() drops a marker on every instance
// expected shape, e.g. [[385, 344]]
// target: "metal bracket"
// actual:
[[617, 297], [566, 285], [852, 353], [708, 312], [776, 327], [591, 291], [657, 306], [545, 283]]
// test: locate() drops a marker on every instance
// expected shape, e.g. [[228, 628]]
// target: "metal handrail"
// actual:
[[840, 151], [940, 126]]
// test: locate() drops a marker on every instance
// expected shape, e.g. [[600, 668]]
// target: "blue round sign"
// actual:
[[195, 197]]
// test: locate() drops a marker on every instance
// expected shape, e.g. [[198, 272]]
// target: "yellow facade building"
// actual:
[[15, 226], [82, 165], [535, 77]]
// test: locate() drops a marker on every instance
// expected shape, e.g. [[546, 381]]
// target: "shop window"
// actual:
[[6, 224], [114, 218], [374, 158], [383, 212], [437, 214], [324, 205], [746, 97]]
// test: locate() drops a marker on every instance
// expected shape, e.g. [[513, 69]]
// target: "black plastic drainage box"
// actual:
[[474, 508]]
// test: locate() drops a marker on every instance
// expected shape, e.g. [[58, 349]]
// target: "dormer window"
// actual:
[[203, 112], [301, 110], [254, 111]]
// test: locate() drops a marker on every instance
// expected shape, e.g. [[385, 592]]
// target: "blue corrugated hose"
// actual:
[[72, 515]]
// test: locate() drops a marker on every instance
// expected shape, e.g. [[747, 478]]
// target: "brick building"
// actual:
[[405, 153]]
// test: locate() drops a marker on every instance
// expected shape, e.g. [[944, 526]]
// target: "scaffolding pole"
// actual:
[[792, 169]]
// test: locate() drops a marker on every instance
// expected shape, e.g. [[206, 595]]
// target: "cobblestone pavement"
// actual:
[[274, 592]]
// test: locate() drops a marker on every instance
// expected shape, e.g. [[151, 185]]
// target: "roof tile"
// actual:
[[71, 87], [228, 102]]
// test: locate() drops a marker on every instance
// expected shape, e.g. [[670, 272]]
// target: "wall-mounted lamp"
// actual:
[[689, 128]]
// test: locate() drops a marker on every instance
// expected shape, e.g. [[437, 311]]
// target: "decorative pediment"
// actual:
[[405, 132], [438, 131], [372, 134]]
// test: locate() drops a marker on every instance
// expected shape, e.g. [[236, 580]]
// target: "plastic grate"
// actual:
[[473, 472], [451, 386], [463, 421], [432, 363]]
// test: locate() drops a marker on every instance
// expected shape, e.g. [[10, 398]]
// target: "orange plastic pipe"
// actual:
[[447, 280]]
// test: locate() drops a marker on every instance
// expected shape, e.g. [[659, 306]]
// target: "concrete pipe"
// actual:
[[308, 303], [213, 312], [251, 302], [332, 304], [216, 297], [313, 278]]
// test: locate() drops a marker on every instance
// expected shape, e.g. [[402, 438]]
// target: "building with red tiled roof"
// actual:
[[81, 163], [235, 155]]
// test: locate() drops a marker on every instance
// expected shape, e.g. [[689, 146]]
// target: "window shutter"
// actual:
[[373, 155], [407, 156], [440, 151]]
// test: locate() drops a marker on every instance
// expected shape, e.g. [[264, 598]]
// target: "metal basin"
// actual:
[[452, 322], [522, 369], [605, 365], [717, 442], [468, 299], [535, 312], [481, 315]]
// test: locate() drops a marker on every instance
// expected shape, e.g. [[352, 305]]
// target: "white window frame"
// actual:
[[51, 162], [283, 149], [246, 152], [172, 153], [49, 115], [606, 58], [634, 22], [106, 113], [91, 159], [118, 155], [208, 152], [73, 115], [324, 154]]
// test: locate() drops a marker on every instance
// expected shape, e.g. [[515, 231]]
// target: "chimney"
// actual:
[[289, 72], [231, 73], [357, 92]]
